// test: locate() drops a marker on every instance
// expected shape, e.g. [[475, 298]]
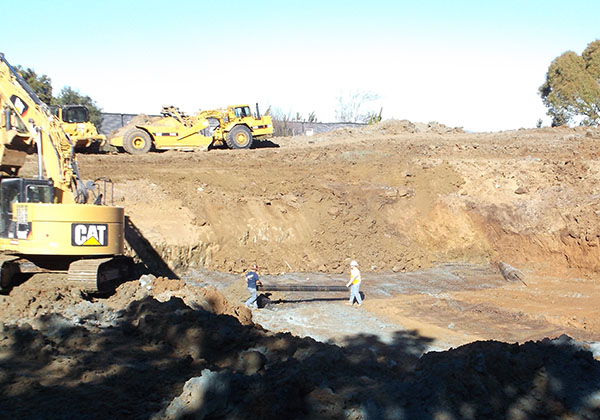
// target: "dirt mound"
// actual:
[[44, 295], [140, 119], [533, 380], [394, 127], [163, 289], [167, 360], [38, 296], [389, 128]]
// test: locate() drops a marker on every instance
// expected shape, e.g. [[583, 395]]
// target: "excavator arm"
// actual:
[[28, 125], [49, 221]]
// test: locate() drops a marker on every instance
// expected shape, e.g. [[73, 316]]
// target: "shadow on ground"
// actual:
[[151, 260], [265, 301], [166, 360], [256, 144]]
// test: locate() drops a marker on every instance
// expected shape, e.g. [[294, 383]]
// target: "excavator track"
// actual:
[[99, 275]]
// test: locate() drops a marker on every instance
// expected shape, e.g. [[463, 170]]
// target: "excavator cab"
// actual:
[[20, 190]]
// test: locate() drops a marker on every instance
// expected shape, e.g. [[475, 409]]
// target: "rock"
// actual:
[[521, 190], [595, 349], [510, 273], [390, 192], [203, 396], [404, 192], [324, 403], [251, 362], [146, 280]]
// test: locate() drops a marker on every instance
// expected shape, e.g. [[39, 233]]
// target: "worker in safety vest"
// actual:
[[354, 284]]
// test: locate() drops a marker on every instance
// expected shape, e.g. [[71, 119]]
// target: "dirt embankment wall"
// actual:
[[395, 196]]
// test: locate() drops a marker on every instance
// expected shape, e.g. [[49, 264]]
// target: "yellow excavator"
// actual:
[[75, 120], [55, 221]]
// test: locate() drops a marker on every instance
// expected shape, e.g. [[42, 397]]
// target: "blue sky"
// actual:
[[474, 64]]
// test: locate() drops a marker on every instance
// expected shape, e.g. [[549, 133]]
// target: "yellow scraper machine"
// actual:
[[54, 222], [234, 126]]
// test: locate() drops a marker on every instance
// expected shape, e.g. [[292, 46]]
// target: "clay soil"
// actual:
[[428, 211], [399, 198]]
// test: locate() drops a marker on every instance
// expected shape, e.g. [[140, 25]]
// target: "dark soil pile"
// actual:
[[157, 360]]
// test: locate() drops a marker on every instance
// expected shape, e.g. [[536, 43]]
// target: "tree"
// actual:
[[281, 121], [69, 96], [285, 124], [350, 106], [41, 85], [572, 88]]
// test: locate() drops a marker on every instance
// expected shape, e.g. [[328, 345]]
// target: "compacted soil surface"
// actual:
[[480, 259]]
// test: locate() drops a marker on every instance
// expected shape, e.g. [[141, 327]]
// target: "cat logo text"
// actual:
[[83, 234]]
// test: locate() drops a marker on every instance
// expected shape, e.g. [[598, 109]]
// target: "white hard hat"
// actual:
[[353, 263]]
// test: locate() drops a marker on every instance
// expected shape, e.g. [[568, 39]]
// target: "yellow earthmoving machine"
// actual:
[[75, 120], [234, 126], [54, 221]]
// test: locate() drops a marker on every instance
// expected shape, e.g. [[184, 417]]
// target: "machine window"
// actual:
[[39, 194], [242, 112], [10, 195], [75, 115]]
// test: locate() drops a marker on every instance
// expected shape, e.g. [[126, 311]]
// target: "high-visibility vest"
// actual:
[[355, 276]]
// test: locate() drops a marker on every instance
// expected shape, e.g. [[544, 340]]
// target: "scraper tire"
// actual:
[[239, 138], [137, 142]]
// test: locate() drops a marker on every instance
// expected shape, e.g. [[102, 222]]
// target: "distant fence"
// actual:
[[304, 128], [112, 121]]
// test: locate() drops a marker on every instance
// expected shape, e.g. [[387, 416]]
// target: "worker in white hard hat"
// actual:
[[354, 284]]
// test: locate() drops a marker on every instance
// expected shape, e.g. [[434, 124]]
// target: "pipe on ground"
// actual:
[[300, 288]]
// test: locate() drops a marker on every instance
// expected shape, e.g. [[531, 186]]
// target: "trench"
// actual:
[[326, 317]]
